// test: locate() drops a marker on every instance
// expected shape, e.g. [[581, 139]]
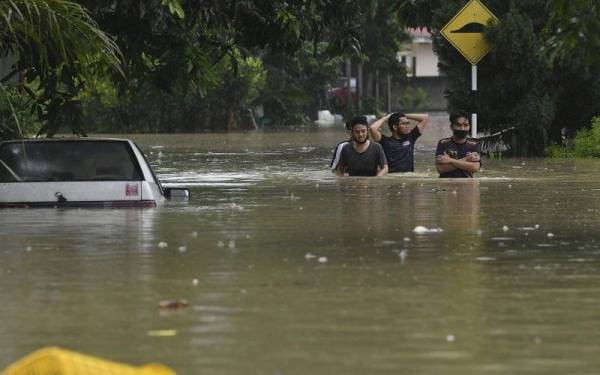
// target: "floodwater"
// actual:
[[290, 270]]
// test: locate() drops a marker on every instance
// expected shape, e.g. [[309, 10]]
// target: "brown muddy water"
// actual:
[[290, 270]]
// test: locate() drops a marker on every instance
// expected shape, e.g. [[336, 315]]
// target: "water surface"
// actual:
[[290, 270]]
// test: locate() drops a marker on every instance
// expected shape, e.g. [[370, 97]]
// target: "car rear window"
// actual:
[[68, 161]]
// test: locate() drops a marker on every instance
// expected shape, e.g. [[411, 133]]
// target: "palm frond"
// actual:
[[56, 32], [495, 142]]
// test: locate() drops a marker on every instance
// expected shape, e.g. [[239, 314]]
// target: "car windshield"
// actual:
[[68, 161]]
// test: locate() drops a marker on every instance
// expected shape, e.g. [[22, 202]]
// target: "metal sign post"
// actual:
[[465, 32], [474, 89]]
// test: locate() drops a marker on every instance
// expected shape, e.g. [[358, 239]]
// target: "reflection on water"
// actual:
[[290, 270]]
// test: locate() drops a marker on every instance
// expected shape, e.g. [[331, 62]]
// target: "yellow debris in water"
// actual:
[[57, 361], [162, 333]]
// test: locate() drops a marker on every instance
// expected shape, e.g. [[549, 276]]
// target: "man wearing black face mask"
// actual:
[[458, 156]]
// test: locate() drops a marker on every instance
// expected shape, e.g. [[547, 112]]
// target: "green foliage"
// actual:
[[573, 26], [586, 144], [302, 45], [519, 85], [18, 114], [240, 82], [223, 105], [587, 141], [558, 152], [57, 45], [414, 99], [296, 84]]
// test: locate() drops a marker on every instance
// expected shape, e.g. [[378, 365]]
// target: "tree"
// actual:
[[523, 84], [174, 52], [56, 47], [573, 26]]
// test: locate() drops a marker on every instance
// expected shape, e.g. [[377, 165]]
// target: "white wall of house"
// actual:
[[426, 60], [418, 55]]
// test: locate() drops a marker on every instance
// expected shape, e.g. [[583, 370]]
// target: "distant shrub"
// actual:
[[586, 144], [587, 141], [413, 99], [557, 151]]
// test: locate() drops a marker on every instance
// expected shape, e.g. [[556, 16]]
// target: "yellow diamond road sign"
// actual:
[[465, 30]]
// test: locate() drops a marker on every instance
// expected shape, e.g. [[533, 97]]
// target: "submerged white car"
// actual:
[[94, 172]]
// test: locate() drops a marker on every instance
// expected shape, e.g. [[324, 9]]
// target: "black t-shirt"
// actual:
[[362, 164], [457, 151], [400, 152]]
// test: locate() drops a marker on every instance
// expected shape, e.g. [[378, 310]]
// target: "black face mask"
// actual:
[[460, 133]]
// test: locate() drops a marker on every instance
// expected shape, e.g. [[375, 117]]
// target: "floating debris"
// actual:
[[505, 228], [173, 304], [182, 249], [162, 244], [162, 333], [220, 244], [403, 254], [232, 244], [450, 338], [194, 234], [550, 235], [195, 281], [322, 259], [486, 259], [423, 230], [309, 256]]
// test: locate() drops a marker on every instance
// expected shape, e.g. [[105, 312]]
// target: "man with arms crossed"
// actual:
[[400, 147], [457, 156], [361, 157]]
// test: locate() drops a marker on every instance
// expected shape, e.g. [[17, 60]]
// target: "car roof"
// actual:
[[68, 139]]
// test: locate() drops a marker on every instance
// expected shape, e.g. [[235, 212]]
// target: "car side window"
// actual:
[[69, 161]]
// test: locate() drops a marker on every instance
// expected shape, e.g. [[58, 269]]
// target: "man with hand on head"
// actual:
[[400, 147], [361, 157], [458, 156]]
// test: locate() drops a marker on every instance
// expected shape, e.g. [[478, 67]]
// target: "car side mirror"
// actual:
[[177, 194]]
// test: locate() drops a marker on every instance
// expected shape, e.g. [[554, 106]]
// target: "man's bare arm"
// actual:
[[375, 128], [382, 171], [469, 163], [423, 119]]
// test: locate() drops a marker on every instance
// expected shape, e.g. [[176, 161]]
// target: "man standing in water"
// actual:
[[458, 156], [400, 147], [361, 157], [337, 150]]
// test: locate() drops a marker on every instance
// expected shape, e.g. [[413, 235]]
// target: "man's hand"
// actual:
[[473, 157], [443, 159]]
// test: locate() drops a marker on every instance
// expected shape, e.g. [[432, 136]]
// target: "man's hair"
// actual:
[[395, 119], [454, 116], [357, 120]]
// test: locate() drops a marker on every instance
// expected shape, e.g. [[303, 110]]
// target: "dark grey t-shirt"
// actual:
[[400, 152], [362, 164]]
